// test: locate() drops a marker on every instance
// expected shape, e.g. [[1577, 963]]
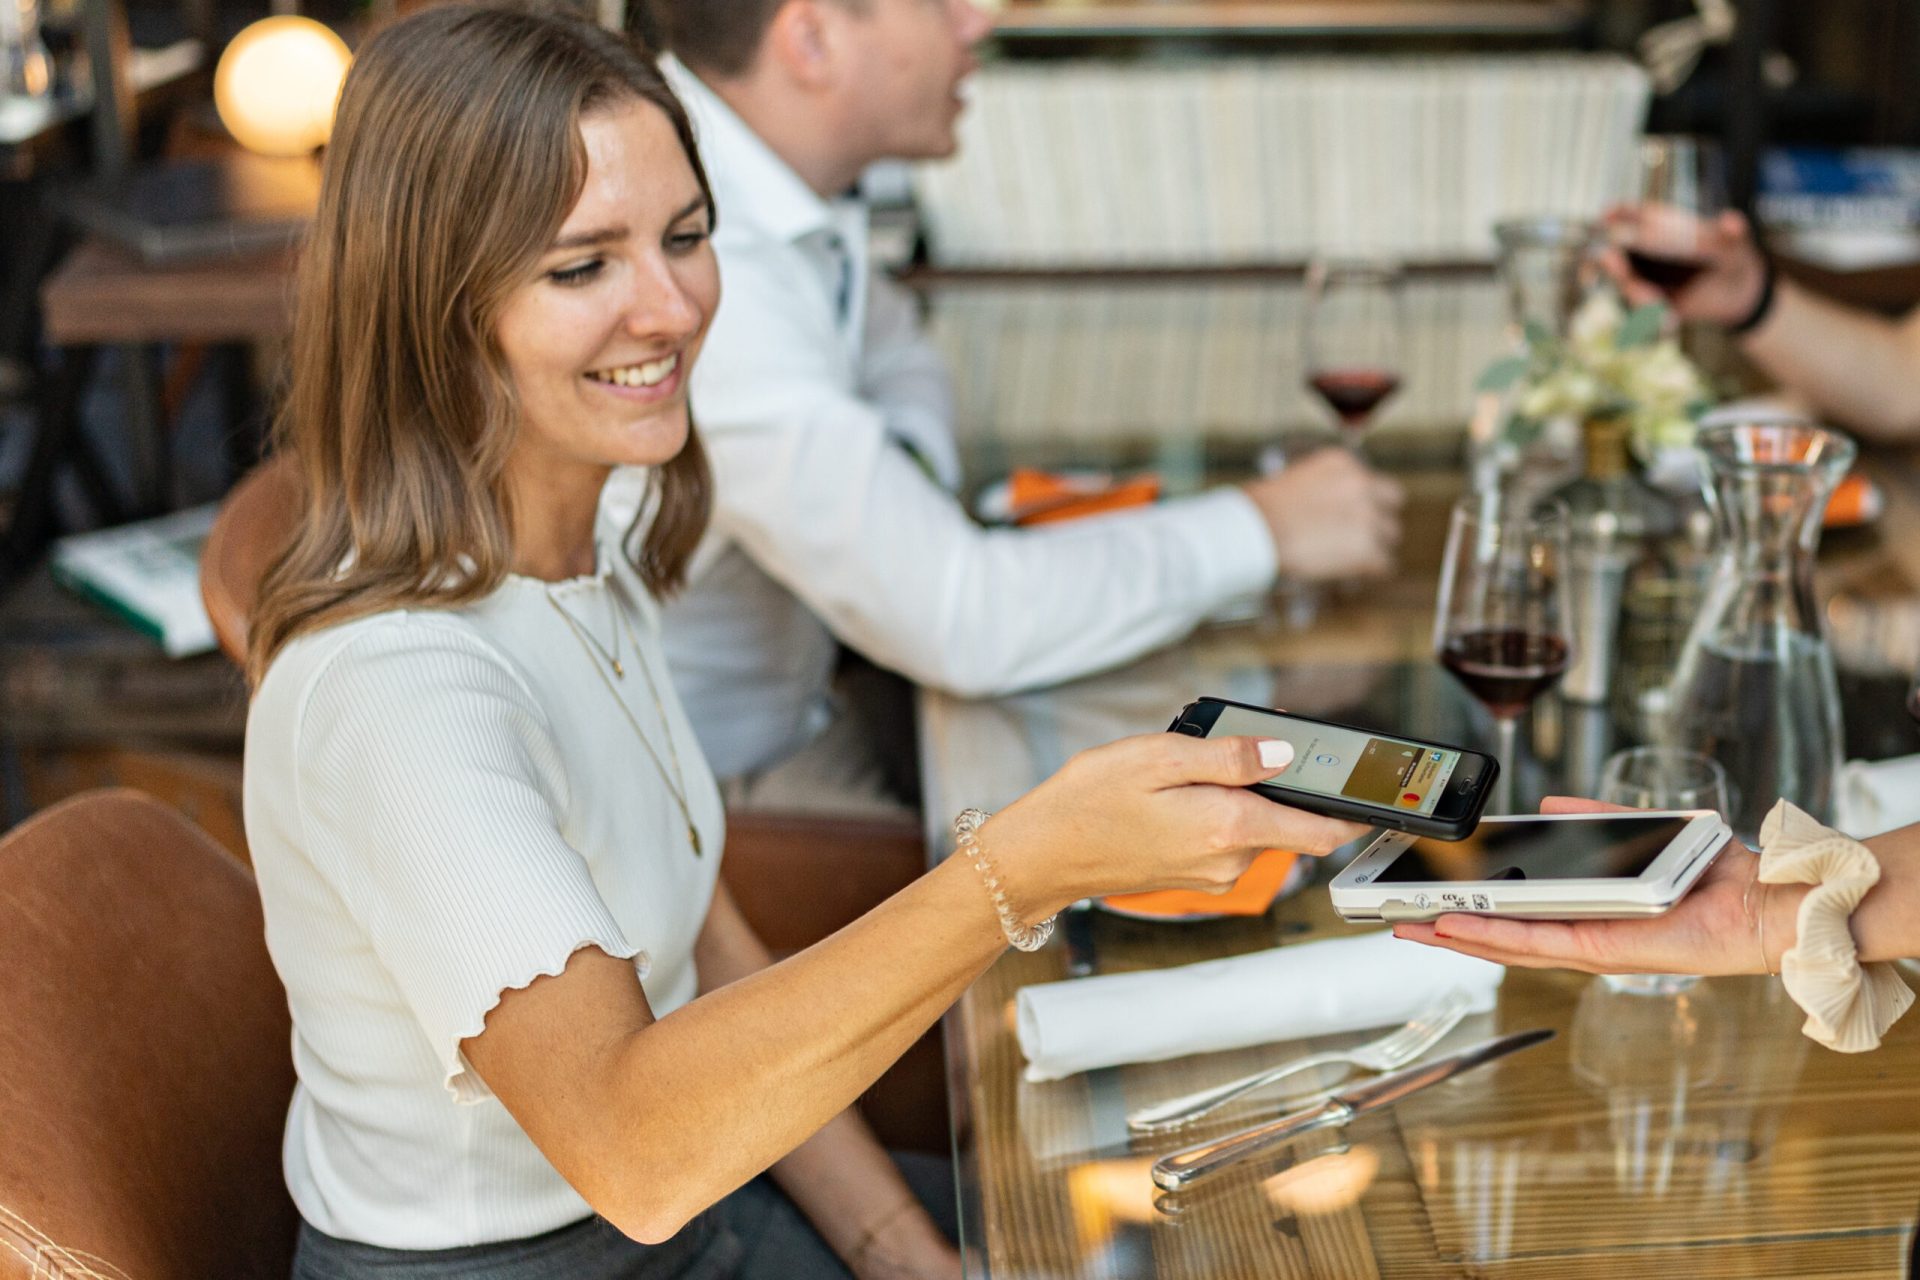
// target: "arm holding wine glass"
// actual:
[[1856, 367], [1716, 929]]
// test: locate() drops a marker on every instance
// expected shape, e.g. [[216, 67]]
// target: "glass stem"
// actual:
[[1508, 730]]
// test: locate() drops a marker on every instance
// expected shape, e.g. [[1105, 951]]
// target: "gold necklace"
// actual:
[[580, 629], [676, 780]]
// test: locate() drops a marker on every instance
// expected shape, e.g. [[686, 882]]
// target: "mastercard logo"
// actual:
[[1410, 799]]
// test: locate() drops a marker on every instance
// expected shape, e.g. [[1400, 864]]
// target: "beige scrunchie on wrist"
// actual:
[[1848, 1006]]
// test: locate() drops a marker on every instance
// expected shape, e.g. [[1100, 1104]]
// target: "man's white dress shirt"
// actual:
[[828, 419]]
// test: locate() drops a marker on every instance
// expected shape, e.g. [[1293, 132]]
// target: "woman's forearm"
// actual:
[[852, 1192], [652, 1122], [1886, 924], [1860, 369]]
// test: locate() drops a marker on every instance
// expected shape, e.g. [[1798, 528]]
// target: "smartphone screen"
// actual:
[[1617, 848], [1330, 760]]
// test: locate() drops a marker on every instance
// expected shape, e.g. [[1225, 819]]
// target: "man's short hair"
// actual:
[[721, 37]]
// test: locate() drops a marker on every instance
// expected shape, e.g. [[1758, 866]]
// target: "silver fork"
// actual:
[[1395, 1049]]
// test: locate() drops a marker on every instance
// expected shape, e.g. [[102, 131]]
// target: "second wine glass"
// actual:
[[1501, 625], [1353, 341], [1682, 188]]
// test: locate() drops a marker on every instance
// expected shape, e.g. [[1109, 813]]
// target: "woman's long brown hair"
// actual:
[[456, 156]]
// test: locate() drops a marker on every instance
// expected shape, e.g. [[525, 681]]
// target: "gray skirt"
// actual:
[[754, 1234]]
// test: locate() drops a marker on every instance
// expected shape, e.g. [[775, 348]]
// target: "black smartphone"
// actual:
[[1344, 771]]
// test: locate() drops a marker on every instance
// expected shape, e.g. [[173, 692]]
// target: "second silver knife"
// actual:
[[1183, 1168]]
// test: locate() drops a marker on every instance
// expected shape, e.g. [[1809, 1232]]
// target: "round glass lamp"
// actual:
[[277, 83]]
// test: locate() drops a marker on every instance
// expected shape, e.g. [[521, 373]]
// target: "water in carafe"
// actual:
[[1754, 686]]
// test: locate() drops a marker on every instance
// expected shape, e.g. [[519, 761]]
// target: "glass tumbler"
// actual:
[[1661, 778]]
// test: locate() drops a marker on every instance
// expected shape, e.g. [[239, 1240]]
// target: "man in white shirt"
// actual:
[[827, 417]]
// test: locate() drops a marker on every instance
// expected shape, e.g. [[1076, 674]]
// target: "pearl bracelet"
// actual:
[[1024, 937]]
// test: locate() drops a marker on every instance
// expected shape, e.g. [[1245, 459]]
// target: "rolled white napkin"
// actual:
[[1872, 796], [1288, 993]]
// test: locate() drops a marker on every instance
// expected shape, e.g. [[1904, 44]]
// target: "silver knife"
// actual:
[[1183, 1168]]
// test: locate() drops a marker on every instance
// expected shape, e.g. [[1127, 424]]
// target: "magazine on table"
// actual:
[[148, 574]]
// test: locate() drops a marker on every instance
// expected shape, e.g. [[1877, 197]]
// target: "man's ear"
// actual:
[[805, 39]]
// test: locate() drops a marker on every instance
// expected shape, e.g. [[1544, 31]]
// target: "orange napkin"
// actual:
[[1856, 501], [1042, 497], [1251, 894]]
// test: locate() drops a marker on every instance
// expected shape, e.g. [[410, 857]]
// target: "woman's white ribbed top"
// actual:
[[442, 806]]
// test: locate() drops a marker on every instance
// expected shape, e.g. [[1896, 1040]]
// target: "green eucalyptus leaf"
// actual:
[[1503, 373], [1642, 326], [1523, 431]]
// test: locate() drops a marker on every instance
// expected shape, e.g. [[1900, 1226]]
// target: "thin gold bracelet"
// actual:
[[872, 1233]]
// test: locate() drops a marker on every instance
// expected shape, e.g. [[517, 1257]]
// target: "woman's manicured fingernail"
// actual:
[[1276, 754]]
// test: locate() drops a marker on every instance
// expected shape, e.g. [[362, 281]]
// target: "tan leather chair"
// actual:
[[144, 1065], [254, 525]]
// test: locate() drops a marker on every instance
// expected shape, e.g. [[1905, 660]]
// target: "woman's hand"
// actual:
[[1707, 932], [1160, 811], [1732, 273]]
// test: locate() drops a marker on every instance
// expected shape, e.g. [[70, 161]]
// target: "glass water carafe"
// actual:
[[1540, 264], [1754, 686]]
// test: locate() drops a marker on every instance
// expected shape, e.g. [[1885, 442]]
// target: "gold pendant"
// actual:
[[618, 670], [693, 836]]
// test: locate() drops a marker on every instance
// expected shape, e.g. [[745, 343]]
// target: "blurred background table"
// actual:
[[1028, 18], [1698, 1132]]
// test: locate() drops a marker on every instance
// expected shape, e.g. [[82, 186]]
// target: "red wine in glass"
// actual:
[[1354, 394], [1682, 189], [1353, 337], [1668, 274], [1501, 625], [1505, 667]]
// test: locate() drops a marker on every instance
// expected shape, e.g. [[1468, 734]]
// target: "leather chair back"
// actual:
[[255, 524], [798, 877], [144, 1063]]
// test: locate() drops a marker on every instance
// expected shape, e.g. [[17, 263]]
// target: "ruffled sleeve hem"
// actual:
[[462, 1082]]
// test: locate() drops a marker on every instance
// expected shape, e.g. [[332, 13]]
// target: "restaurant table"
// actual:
[[1654, 1135]]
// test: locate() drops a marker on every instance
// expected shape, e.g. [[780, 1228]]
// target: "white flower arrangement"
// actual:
[[1613, 363]]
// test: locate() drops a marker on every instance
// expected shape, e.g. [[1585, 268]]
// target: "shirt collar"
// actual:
[[752, 185]]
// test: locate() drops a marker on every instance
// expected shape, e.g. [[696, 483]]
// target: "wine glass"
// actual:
[[1662, 777], [1354, 340], [1501, 626], [1682, 188]]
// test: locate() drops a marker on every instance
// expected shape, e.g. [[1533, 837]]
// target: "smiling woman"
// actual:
[[597, 345], [418, 314], [533, 1034]]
